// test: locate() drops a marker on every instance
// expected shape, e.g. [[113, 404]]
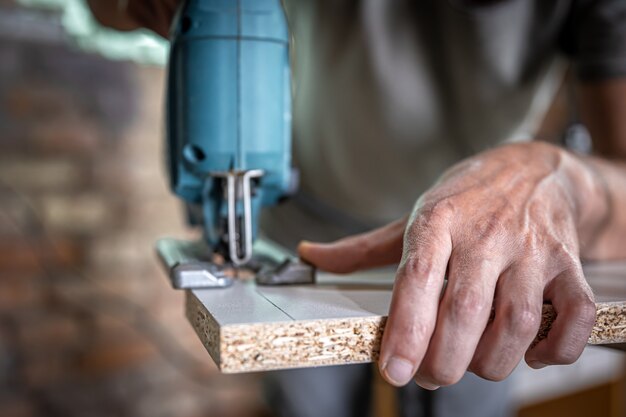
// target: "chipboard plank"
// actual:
[[340, 320]]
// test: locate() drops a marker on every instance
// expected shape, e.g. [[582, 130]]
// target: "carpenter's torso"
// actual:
[[388, 94]]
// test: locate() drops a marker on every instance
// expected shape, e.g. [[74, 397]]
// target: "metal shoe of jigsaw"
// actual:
[[228, 134]]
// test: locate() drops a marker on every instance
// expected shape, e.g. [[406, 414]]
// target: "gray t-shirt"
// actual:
[[388, 94]]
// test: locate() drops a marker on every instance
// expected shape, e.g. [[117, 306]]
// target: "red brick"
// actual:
[[30, 254]]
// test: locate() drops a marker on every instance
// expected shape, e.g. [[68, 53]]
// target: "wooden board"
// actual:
[[340, 319]]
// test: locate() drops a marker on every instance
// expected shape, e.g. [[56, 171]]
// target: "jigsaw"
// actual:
[[229, 140]]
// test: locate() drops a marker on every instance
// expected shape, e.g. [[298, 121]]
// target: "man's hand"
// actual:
[[155, 15], [505, 228]]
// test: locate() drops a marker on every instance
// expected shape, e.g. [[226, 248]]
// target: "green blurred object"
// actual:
[[141, 46]]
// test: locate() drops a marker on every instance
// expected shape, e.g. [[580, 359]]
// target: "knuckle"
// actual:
[[587, 310], [498, 362], [404, 333], [488, 228], [532, 244], [564, 257], [411, 332], [487, 371], [565, 355], [418, 266], [485, 260], [466, 303], [521, 318], [582, 307], [423, 239], [439, 210], [476, 260]]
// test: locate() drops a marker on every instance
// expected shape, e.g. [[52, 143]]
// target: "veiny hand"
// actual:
[[155, 15], [505, 228]]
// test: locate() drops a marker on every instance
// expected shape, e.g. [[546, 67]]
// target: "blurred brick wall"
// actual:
[[88, 323]]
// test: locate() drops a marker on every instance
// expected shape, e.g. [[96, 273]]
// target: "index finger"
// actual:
[[414, 304]]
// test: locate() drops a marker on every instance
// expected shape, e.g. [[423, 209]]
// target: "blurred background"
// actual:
[[89, 325]]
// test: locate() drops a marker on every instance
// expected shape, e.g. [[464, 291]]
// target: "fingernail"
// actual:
[[304, 247], [427, 386], [537, 364], [398, 371]]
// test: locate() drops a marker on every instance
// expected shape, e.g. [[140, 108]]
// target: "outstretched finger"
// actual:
[[378, 247]]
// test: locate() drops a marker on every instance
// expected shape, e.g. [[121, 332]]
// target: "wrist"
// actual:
[[588, 191], [584, 189]]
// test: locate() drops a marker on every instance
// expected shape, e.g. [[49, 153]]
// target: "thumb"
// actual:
[[379, 247]]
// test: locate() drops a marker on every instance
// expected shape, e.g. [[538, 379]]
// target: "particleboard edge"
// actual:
[[204, 324], [610, 326], [282, 345], [297, 344], [255, 347]]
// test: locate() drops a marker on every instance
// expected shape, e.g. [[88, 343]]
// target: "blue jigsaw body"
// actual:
[[228, 113]]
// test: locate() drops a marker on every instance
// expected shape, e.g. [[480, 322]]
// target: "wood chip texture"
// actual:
[[274, 339]]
